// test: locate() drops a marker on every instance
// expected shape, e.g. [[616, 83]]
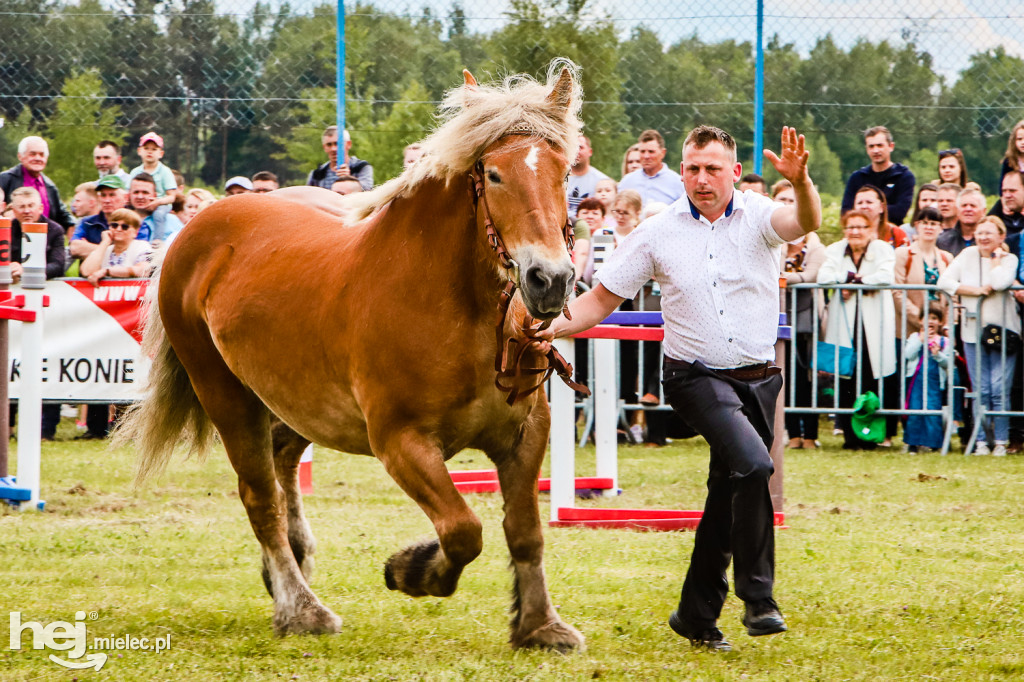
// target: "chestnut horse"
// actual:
[[277, 323]]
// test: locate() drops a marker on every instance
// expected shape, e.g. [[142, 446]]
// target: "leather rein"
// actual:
[[512, 376]]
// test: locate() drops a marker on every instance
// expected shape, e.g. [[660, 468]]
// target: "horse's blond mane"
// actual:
[[475, 116]]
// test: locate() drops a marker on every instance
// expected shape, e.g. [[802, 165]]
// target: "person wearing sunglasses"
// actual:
[[119, 254]]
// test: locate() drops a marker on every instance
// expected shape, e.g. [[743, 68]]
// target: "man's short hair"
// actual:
[[591, 204], [702, 136], [970, 193], [648, 136], [30, 192], [145, 177], [1015, 173], [87, 187], [23, 145], [875, 130], [754, 179], [331, 131], [950, 187], [264, 175], [109, 143]]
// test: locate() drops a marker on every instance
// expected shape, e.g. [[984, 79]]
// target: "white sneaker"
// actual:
[[999, 450], [638, 433], [981, 448]]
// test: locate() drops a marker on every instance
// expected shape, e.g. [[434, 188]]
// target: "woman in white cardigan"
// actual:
[[861, 258], [986, 270]]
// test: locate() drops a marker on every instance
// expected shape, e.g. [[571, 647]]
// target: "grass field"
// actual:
[[893, 567]]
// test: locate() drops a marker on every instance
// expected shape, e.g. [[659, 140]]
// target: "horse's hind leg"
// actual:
[[244, 426], [288, 449], [535, 623], [432, 567]]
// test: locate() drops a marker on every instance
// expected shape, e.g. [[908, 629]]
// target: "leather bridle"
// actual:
[[508, 360]]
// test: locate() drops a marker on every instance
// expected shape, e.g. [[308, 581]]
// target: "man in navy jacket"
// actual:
[[894, 179]]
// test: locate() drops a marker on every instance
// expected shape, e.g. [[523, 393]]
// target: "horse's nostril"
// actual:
[[537, 278]]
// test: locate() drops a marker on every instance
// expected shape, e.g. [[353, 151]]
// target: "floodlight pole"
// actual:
[[341, 77], [759, 91]]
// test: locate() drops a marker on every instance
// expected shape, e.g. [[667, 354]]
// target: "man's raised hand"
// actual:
[[792, 165]]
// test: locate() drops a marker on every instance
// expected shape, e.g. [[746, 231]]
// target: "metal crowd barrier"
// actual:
[[955, 315]]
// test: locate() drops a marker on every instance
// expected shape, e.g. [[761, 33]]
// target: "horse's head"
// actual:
[[524, 184]]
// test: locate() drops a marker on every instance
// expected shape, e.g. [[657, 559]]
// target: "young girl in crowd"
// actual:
[[606, 191], [952, 167], [631, 160], [1014, 157], [926, 358]]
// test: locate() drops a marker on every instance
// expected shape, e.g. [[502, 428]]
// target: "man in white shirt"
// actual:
[[715, 252], [583, 177], [654, 180]]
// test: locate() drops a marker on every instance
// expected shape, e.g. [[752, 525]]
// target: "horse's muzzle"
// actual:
[[545, 287]]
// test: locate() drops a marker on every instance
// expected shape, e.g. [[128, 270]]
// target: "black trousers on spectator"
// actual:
[[802, 425], [737, 419]]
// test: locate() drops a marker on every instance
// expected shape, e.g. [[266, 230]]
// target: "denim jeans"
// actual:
[[992, 386]]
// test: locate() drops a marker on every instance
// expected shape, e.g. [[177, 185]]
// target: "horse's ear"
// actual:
[[562, 92], [468, 77]]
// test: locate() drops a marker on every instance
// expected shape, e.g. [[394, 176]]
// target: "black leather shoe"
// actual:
[[710, 638], [763, 618]]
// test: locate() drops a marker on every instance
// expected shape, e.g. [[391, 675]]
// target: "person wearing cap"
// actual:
[[237, 185], [151, 150], [33, 154], [326, 174], [110, 190]]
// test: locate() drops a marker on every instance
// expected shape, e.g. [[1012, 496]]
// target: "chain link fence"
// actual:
[[237, 86]]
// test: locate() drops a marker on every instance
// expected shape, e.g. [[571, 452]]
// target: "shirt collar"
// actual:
[[735, 204]]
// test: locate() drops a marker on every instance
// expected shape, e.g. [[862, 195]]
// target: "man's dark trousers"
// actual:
[[737, 418]]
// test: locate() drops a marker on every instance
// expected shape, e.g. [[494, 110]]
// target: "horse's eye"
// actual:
[[493, 177]]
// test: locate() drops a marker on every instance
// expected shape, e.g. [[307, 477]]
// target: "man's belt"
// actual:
[[746, 373]]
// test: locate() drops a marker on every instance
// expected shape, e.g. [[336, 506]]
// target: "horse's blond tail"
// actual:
[[170, 413]]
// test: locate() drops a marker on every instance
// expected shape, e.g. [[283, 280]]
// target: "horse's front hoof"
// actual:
[[420, 570], [557, 636], [315, 619]]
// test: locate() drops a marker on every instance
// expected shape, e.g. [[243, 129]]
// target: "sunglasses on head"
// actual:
[[121, 226], [949, 152]]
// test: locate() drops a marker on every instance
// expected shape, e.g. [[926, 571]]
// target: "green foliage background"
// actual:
[[237, 90]]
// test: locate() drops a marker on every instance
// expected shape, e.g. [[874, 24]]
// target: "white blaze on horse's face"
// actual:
[[529, 212], [531, 158]]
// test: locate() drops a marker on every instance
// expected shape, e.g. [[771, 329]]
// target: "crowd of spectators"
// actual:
[[938, 235], [119, 217], [895, 233]]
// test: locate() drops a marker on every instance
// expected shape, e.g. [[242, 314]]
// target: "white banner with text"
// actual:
[[91, 338]]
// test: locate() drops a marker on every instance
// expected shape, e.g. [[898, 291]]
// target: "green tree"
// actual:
[[980, 110], [301, 149], [81, 107]]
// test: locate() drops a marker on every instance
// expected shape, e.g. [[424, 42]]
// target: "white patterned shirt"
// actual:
[[719, 281]]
